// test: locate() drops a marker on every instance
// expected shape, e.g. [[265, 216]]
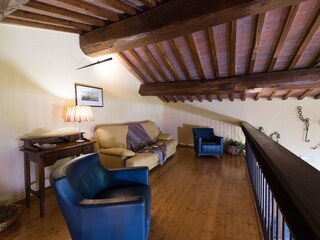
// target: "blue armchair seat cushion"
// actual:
[[130, 191]]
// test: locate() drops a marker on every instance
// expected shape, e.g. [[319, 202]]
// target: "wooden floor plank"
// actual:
[[192, 198]]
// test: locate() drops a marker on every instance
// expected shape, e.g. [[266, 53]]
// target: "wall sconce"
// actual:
[[79, 114]]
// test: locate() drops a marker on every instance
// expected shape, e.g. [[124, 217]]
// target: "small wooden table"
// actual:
[[65, 147]]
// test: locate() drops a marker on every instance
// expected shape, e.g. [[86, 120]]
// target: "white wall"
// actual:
[[37, 77], [276, 115]]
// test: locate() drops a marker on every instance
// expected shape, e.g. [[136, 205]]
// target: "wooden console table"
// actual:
[[65, 147]]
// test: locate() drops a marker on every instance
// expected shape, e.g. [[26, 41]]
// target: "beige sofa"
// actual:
[[111, 145]]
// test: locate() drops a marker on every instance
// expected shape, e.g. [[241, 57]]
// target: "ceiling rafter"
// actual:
[[209, 98], [233, 35], [231, 97], [62, 13], [27, 16], [288, 94], [117, 5], [144, 66], [209, 34], [199, 98], [194, 55], [189, 98], [179, 58], [133, 67], [84, 8], [284, 33], [155, 63], [39, 25], [294, 79], [166, 61], [244, 96], [149, 3], [219, 97], [256, 98], [305, 93], [272, 95], [317, 96], [315, 23], [130, 33], [257, 35]]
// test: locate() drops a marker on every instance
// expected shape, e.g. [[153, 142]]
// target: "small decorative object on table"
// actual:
[[234, 147], [8, 214]]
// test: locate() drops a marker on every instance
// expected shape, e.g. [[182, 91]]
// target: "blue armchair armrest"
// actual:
[[136, 175]]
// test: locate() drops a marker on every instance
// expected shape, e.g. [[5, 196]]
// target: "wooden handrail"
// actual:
[[294, 183]]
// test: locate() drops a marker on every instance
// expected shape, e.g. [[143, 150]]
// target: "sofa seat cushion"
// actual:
[[130, 191], [164, 137], [121, 152], [142, 159]]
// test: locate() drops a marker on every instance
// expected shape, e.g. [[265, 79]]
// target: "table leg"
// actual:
[[41, 187], [27, 180]]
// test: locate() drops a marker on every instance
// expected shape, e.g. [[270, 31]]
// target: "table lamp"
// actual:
[[79, 114]]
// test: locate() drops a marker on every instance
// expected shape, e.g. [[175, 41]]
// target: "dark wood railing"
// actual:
[[286, 189]]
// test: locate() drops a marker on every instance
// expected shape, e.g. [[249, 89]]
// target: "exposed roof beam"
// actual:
[[149, 3], [259, 25], [39, 25], [28, 16], [294, 79], [133, 67], [179, 58], [117, 5], [305, 93], [38, 7], [219, 97], [284, 33], [317, 96], [169, 20], [256, 98], [166, 61], [288, 94], [244, 96], [272, 95], [194, 55], [209, 34], [306, 39]]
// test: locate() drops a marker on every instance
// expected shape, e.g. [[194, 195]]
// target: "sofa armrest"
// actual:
[[164, 137], [119, 152], [134, 175], [218, 139]]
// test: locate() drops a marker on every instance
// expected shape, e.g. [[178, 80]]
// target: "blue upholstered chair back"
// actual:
[[206, 142]]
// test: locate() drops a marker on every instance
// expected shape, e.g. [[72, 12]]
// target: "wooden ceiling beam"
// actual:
[[155, 64], [144, 66], [231, 97], [149, 3], [39, 25], [244, 96], [61, 13], [233, 36], [179, 58], [288, 94], [219, 97], [166, 61], [209, 98], [306, 39], [209, 35], [194, 55], [257, 36], [169, 20], [199, 98], [83, 8], [294, 79], [117, 5], [133, 67], [317, 96], [28, 16], [189, 98], [284, 33], [256, 98], [305, 93], [272, 95]]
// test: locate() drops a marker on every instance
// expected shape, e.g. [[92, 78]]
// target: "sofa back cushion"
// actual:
[[109, 136], [152, 129]]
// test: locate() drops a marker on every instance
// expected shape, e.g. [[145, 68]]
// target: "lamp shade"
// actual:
[[79, 114]]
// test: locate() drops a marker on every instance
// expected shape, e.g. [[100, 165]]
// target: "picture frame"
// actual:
[[88, 95]]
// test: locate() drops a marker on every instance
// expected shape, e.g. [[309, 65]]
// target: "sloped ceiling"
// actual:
[[197, 50]]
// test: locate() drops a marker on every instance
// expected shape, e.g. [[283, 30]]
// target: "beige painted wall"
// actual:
[[277, 115], [37, 77]]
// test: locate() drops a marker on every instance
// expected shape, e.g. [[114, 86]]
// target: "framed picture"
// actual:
[[89, 96]]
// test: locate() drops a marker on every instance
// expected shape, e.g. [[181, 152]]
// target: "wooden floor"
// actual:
[[192, 198]]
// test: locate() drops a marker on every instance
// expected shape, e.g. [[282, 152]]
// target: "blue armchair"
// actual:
[[206, 143], [103, 204]]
